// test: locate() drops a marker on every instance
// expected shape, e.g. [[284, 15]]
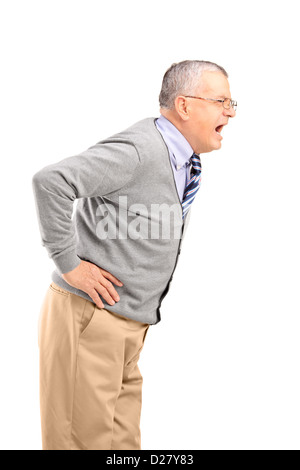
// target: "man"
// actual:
[[115, 260]]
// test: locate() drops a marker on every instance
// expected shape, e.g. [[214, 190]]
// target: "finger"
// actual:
[[110, 288], [95, 297], [111, 277], [105, 294]]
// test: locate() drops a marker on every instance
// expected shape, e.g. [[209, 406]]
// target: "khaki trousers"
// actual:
[[90, 383]]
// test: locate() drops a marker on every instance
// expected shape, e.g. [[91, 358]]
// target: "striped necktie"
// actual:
[[193, 184]]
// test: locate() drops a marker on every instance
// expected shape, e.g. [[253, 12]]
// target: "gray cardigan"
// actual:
[[128, 218]]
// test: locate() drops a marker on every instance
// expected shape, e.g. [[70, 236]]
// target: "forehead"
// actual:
[[214, 83]]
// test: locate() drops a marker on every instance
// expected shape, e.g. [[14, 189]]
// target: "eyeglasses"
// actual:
[[226, 102]]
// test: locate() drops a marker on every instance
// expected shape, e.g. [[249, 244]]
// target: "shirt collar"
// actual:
[[175, 141]]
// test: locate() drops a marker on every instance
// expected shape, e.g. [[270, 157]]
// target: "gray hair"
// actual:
[[183, 78]]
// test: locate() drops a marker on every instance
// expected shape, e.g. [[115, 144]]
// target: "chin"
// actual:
[[212, 148], [217, 146]]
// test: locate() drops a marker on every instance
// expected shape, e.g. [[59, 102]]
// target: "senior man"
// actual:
[[116, 257]]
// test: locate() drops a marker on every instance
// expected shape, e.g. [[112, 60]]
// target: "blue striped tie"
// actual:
[[193, 185]]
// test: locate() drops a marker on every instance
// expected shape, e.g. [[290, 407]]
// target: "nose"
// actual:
[[229, 112]]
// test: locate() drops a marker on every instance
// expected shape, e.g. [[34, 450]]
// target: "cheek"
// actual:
[[209, 129], [205, 125]]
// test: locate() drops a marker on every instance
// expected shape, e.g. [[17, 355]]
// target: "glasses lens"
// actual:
[[227, 103]]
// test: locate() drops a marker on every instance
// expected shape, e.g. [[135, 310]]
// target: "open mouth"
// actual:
[[219, 129]]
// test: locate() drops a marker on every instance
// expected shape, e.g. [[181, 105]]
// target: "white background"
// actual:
[[221, 370]]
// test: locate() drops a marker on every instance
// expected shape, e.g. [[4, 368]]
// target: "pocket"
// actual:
[[145, 334], [59, 290], [136, 357], [87, 317]]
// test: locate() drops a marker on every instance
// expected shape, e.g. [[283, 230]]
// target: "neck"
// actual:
[[180, 125]]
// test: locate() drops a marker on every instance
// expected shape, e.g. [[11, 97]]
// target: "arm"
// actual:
[[103, 168]]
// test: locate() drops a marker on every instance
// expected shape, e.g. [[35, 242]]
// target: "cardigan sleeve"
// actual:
[[103, 168]]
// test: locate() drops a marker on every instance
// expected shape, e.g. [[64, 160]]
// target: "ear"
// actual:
[[182, 107]]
